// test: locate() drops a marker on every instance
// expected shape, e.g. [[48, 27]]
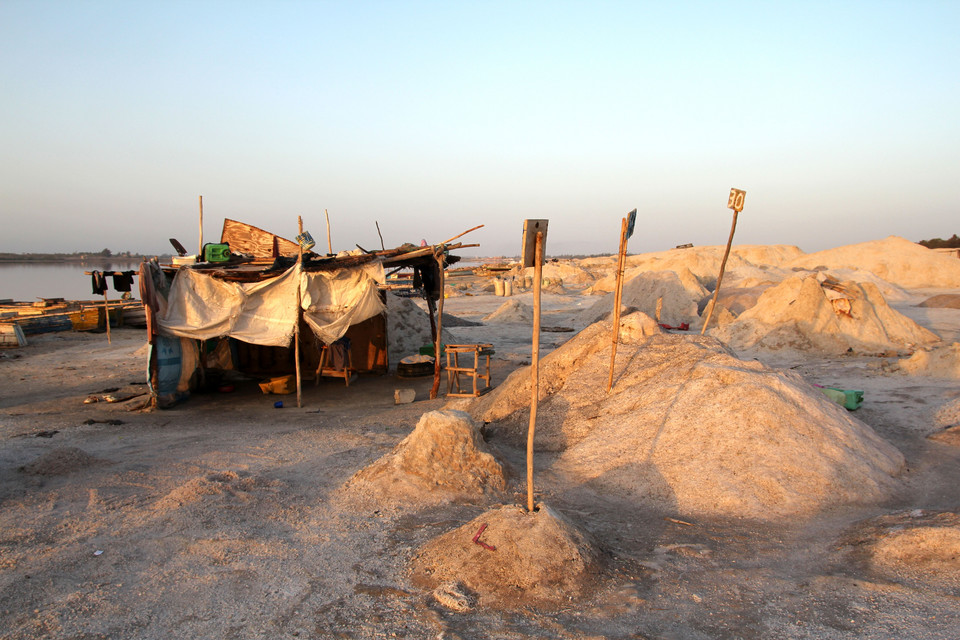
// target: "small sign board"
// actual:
[[530, 229], [735, 201]]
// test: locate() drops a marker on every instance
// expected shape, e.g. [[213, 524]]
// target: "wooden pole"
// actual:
[[382, 248], [618, 295], [723, 265], [106, 315], [296, 330], [461, 234], [329, 244], [534, 364], [200, 250], [436, 343]]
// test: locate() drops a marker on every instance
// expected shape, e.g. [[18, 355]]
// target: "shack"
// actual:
[[268, 307]]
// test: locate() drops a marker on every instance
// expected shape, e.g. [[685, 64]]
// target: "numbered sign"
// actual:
[[736, 199]]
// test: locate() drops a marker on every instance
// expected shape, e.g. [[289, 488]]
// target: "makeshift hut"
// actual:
[[243, 312]]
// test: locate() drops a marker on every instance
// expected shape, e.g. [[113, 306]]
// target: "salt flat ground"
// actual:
[[223, 517]]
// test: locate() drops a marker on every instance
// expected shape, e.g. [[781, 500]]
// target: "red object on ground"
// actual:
[[684, 326], [477, 540]]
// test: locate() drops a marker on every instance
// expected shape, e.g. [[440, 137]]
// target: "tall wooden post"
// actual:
[[296, 330], [200, 250], [617, 299], [736, 203], [329, 244], [534, 364], [106, 315]]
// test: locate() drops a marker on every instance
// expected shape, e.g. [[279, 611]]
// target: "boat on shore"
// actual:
[[48, 315]]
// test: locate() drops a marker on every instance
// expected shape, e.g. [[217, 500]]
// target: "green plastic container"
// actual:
[[216, 252], [427, 350], [850, 399]]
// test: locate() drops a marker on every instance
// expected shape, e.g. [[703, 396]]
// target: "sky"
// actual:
[[841, 121]]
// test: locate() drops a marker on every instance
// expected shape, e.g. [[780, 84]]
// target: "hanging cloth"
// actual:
[[123, 281], [99, 283]]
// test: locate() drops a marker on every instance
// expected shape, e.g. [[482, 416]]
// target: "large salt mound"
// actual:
[[443, 458], [408, 329], [689, 427], [511, 311], [894, 259], [939, 362], [564, 270], [802, 314], [642, 292]]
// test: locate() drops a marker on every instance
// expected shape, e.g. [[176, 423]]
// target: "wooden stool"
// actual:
[[324, 370], [477, 369]]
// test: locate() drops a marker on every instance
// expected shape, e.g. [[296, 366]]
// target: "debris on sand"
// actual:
[[511, 311], [538, 559], [691, 428], [820, 314], [61, 461], [894, 259], [919, 547], [444, 458], [939, 362]]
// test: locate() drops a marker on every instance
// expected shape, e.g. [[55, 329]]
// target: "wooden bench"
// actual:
[[474, 365]]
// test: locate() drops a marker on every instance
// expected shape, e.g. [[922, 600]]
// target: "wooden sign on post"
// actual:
[[735, 202], [530, 230]]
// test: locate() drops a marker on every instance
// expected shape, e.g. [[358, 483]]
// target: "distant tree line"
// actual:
[[78, 256], [939, 243]]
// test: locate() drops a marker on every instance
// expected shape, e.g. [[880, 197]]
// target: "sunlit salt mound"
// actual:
[[511, 311], [444, 458], [538, 559], [679, 298], [919, 547], [939, 362], [830, 317], [894, 259], [408, 329], [570, 273], [690, 428]]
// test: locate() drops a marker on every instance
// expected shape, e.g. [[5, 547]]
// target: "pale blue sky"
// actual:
[[841, 120]]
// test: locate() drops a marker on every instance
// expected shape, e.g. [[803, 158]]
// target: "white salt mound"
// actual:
[[408, 329], [690, 428], [511, 311], [566, 271], [443, 458], [642, 292], [538, 558], [894, 259], [805, 314], [939, 362]]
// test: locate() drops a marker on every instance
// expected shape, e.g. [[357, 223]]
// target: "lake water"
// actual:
[[29, 282]]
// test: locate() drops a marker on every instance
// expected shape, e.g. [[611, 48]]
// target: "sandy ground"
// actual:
[[224, 516]]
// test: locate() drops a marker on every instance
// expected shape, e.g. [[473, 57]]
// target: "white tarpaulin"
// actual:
[[203, 307]]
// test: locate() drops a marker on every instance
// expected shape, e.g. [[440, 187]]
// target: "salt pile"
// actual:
[[940, 362], [691, 428], [539, 558], [805, 313], [443, 458], [644, 290], [408, 329], [511, 311], [894, 259]]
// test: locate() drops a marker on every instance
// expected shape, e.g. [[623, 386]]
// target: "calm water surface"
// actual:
[[29, 282]]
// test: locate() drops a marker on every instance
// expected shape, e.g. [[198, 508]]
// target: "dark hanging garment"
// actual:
[[99, 283], [123, 281]]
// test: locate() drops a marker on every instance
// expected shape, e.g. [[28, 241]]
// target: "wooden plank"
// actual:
[[246, 238], [530, 230]]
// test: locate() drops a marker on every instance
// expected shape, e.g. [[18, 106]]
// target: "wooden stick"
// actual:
[[383, 248], [296, 329], [723, 265], [438, 340], [106, 315], [461, 234], [534, 364], [621, 258], [329, 244], [200, 250]]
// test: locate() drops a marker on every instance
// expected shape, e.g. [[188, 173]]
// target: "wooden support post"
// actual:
[[200, 250], [617, 298], [382, 248], [296, 331], [534, 365], [106, 315], [438, 339], [329, 244], [723, 265]]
